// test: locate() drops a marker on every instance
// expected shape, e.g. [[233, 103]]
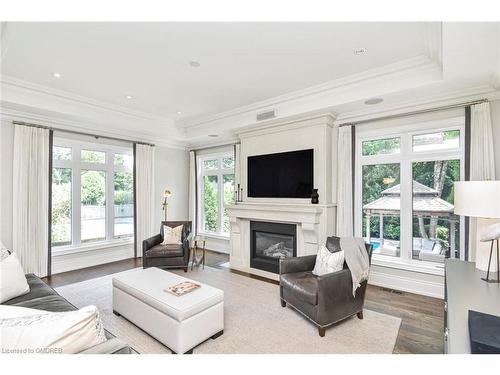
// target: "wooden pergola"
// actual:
[[426, 202]]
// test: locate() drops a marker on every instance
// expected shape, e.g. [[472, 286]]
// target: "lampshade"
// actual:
[[477, 199]]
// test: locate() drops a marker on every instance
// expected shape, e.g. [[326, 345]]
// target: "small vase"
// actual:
[[315, 196]]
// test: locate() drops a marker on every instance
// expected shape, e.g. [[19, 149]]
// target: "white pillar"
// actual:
[[368, 216], [452, 238], [381, 230]]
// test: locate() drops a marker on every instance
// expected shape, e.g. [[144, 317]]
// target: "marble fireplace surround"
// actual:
[[312, 222]]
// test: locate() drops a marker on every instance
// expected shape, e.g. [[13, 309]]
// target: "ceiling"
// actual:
[[241, 66], [240, 63]]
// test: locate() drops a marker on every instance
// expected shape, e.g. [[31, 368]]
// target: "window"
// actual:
[[61, 205], [93, 205], [380, 187], [216, 189], [85, 179], [445, 140], [404, 192], [381, 146]]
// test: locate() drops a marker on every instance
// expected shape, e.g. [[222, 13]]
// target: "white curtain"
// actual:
[[145, 193], [482, 167], [482, 158], [192, 190], [31, 198], [344, 181]]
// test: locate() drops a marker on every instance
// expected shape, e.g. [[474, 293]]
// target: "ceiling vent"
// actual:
[[266, 115]]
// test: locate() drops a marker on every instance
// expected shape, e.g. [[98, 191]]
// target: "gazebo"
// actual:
[[426, 202]]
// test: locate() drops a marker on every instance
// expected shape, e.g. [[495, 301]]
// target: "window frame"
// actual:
[[77, 166], [219, 172], [405, 159]]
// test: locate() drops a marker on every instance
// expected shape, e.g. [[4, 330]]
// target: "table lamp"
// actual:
[[481, 199], [166, 195]]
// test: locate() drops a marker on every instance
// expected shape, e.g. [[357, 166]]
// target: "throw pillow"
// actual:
[[13, 282], [4, 252], [53, 332], [12, 311], [327, 262], [172, 236]]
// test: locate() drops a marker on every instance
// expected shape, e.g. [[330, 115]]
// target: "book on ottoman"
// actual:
[[484, 331], [182, 288]]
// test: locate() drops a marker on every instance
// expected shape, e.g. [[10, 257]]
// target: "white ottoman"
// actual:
[[178, 322]]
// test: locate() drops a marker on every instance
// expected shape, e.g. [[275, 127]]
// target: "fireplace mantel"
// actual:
[[288, 211], [314, 223]]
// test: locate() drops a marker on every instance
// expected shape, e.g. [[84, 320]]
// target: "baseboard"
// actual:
[[74, 261], [407, 284]]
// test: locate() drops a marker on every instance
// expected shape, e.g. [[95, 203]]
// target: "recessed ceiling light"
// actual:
[[374, 101], [56, 75], [179, 112], [194, 64], [129, 96], [360, 51], [213, 135]]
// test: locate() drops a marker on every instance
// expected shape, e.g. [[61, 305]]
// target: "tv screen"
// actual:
[[282, 175]]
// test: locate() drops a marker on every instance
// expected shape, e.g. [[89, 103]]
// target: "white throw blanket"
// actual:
[[357, 260]]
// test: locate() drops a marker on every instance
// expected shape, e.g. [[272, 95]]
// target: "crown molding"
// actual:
[[418, 63], [289, 123], [433, 41], [455, 97], [9, 81], [16, 112]]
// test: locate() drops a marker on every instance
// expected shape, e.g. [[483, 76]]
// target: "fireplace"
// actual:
[[269, 242]]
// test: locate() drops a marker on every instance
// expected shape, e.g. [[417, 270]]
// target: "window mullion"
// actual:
[[221, 203], [110, 202], [77, 178], [406, 202]]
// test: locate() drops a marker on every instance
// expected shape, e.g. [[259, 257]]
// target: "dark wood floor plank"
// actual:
[[422, 317]]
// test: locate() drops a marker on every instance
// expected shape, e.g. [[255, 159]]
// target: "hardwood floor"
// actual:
[[421, 330]]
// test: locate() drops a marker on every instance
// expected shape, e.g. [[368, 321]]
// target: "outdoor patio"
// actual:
[[426, 204]]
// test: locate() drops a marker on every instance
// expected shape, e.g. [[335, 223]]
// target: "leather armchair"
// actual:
[[154, 254], [325, 299]]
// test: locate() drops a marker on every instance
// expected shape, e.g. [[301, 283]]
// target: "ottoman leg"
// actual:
[[283, 303], [188, 352], [218, 334], [321, 331]]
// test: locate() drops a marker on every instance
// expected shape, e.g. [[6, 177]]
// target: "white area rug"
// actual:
[[255, 322]]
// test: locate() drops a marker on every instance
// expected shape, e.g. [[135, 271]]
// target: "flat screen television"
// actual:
[[281, 175]]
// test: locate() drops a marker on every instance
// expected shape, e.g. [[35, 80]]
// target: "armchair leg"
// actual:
[[321, 331], [360, 314], [283, 303], [185, 269]]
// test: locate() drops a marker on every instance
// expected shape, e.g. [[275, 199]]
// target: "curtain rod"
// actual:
[[79, 133], [215, 146], [451, 106]]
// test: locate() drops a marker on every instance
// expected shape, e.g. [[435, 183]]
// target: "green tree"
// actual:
[[211, 203], [93, 188], [229, 197]]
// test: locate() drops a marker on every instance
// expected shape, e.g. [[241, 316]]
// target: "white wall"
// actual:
[[6, 154], [171, 171]]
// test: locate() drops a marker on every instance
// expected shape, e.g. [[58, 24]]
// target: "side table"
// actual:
[[197, 257]]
